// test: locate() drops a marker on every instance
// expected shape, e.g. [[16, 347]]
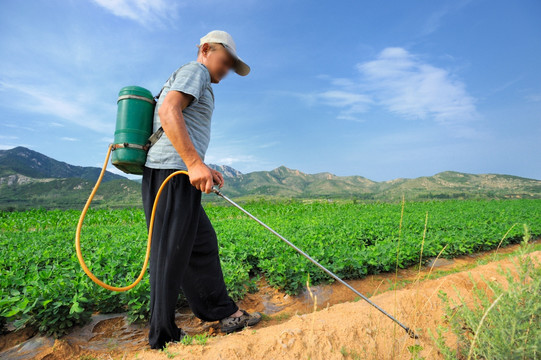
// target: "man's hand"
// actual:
[[218, 178], [201, 177]]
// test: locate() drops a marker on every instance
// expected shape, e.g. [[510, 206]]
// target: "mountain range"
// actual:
[[29, 179]]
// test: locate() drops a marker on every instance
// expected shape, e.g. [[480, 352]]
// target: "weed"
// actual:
[[198, 339], [415, 350], [168, 352], [351, 354], [281, 316], [505, 325], [87, 357]]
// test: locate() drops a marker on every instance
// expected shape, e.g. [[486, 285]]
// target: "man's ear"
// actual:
[[205, 48]]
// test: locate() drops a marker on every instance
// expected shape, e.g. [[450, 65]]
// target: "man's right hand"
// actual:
[[201, 177]]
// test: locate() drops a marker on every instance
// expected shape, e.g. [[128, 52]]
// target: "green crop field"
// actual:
[[43, 285]]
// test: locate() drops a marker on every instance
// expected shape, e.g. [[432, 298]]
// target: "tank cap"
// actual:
[[136, 90]]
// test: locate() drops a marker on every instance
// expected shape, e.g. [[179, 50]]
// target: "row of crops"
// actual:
[[43, 285]]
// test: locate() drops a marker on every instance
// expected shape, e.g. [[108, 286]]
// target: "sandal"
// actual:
[[230, 324]]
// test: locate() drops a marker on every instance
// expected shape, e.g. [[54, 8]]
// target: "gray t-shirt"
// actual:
[[192, 78]]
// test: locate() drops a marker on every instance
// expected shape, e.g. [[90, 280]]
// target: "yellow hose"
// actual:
[[80, 225]]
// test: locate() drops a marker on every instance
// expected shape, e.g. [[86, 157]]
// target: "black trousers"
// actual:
[[183, 256]]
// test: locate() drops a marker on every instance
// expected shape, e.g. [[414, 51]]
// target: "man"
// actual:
[[184, 250]]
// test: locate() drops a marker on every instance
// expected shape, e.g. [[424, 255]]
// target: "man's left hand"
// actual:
[[217, 177]]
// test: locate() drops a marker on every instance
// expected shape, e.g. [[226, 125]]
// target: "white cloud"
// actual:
[[18, 127], [409, 87], [343, 98], [436, 19], [76, 109], [145, 12], [534, 97], [240, 153], [65, 138], [403, 84], [230, 158], [351, 103], [6, 147], [268, 144]]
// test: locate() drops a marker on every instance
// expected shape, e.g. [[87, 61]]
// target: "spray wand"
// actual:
[[409, 331]]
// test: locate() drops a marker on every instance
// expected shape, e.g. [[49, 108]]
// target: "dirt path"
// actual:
[[342, 328]]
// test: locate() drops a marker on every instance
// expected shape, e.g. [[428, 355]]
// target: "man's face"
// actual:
[[218, 62]]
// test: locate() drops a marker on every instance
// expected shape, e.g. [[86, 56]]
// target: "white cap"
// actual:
[[218, 36]]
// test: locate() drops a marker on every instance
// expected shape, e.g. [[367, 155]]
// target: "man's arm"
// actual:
[[201, 176]]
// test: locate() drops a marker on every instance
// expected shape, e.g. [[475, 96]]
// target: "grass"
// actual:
[[415, 351], [278, 317], [436, 274], [483, 261], [168, 351], [504, 325], [397, 260], [350, 354], [198, 339]]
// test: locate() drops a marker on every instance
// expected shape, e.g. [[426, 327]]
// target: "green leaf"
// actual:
[[12, 312], [76, 308]]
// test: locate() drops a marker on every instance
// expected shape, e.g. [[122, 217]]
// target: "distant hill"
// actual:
[[70, 193], [29, 179], [284, 182], [24, 163]]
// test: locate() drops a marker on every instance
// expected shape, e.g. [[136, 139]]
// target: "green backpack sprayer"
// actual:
[[133, 138], [133, 129]]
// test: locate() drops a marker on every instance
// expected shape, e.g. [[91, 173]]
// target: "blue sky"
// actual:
[[379, 89]]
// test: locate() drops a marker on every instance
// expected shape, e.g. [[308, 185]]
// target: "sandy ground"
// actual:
[[337, 330]]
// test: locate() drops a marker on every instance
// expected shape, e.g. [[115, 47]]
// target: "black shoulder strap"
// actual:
[[158, 96], [158, 133], [155, 137]]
